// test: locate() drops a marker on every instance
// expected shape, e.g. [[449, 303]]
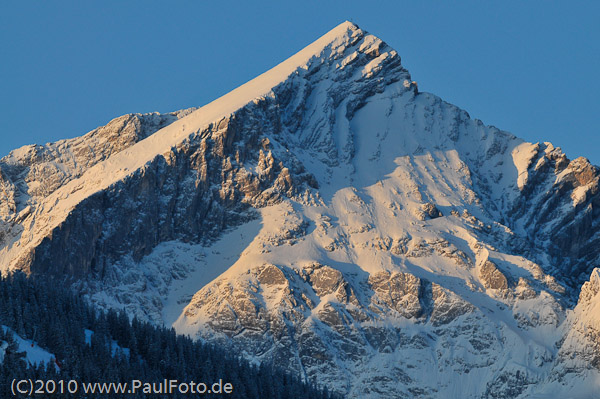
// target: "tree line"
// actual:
[[121, 349]]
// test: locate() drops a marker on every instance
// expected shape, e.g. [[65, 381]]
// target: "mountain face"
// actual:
[[330, 218]]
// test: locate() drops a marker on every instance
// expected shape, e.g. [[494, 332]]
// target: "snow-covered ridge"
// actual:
[[31, 173], [133, 158], [59, 203], [329, 217]]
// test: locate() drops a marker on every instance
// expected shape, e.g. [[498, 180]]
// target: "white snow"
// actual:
[[348, 60], [88, 336], [374, 66], [115, 347], [3, 347], [579, 194], [522, 155], [212, 262], [58, 205], [34, 355], [397, 154]]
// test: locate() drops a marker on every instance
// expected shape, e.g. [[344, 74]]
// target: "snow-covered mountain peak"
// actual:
[[329, 217], [54, 205]]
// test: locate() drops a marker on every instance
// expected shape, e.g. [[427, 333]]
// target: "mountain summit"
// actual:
[[330, 218]]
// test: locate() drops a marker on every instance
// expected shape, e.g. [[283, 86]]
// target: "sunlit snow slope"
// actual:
[[330, 218]]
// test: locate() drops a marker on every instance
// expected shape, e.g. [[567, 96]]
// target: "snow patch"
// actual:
[[34, 354], [522, 157]]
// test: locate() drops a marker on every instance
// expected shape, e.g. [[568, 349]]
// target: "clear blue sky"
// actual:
[[529, 67]]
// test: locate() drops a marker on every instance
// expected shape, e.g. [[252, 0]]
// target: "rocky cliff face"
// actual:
[[33, 172], [580, 349], [329, 218]]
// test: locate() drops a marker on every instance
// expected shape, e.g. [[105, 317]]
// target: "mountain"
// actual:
[[100, 354], [330, 218]]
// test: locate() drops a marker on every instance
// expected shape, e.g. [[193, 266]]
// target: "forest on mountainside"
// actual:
[[89, 345]]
